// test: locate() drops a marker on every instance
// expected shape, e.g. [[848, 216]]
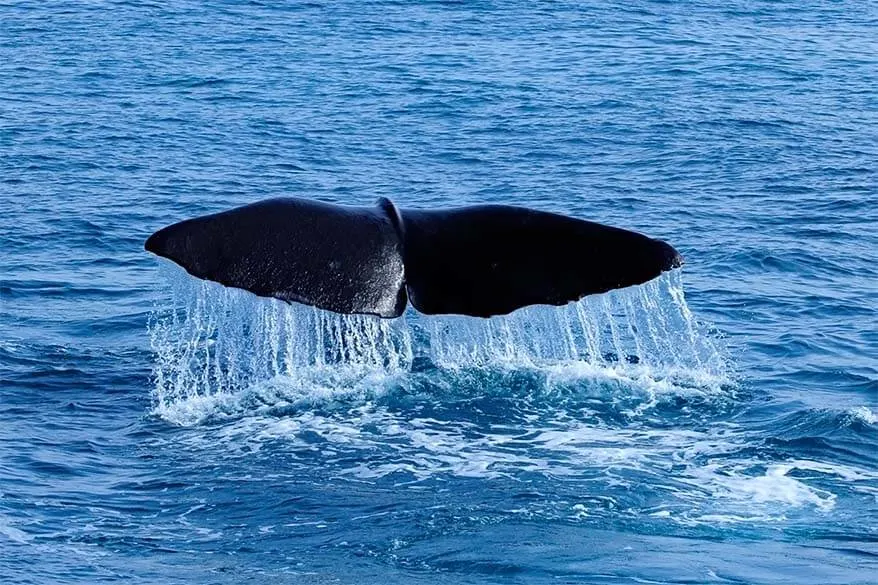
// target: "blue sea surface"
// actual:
[[717, 425]]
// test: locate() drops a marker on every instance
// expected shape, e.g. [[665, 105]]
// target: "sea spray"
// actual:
[[224, 349]]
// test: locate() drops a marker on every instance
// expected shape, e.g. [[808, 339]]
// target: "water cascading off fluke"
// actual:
[[214, 341]]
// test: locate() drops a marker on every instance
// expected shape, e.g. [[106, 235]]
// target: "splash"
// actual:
[[223, 348], [215, 342], [640, 333]]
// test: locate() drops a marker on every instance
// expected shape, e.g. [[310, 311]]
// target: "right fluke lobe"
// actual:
[[493, 259]]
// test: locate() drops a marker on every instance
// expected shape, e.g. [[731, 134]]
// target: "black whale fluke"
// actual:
[[481, 261]]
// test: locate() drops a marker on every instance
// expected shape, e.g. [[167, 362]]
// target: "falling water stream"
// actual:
[[215, 345]]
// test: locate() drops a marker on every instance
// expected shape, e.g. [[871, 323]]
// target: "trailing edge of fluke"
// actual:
[[481, 261]]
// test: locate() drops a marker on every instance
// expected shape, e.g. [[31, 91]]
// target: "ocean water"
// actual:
[[717, 425]]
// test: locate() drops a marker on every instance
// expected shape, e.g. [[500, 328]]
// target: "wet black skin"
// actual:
[[480, 261]]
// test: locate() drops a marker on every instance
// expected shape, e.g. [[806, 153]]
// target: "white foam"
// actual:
[[311, 386], [864, 415], [773, 486], [704, 474]]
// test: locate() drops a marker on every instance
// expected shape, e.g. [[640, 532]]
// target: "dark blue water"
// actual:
[[719, 425]]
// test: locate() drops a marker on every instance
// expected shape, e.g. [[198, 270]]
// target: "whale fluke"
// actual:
[[479, 261]]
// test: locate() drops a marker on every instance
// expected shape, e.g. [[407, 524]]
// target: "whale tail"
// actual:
[[480, 261]]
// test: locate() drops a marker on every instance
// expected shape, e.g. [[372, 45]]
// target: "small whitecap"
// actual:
[[864, 415]]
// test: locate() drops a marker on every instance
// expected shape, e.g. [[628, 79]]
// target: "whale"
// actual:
[[479, 261]]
